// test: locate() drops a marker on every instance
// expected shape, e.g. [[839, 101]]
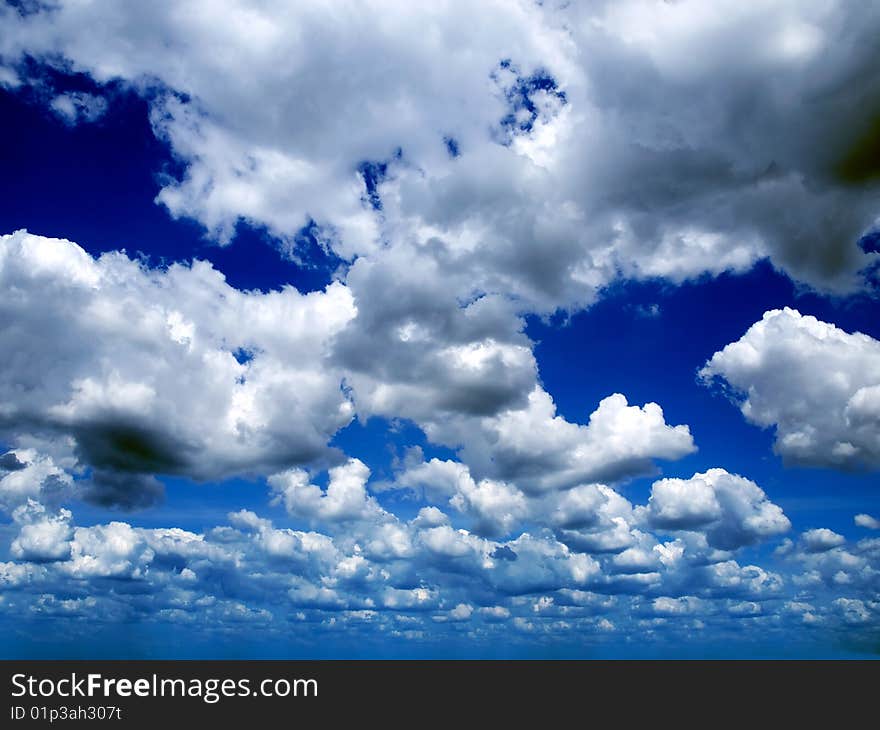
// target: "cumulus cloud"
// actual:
[[345, 498], [394, 577], [863, 520], [583, 139], [731, 510], [821, 539], [43, 536], [816, 384], [26, 474], [540, 450], [138, 366], [468, 174]]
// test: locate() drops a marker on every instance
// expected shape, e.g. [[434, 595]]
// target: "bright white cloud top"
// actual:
[[819, 386], [467, 165]]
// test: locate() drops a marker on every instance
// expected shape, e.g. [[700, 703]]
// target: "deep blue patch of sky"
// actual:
[[95, 184]]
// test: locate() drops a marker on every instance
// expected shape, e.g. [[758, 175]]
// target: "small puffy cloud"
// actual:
[[678, 504], [541, 565], [864, 520], [430, 517], [827, 562], [821, 539], [495, 506], [729, 578], [345, 498], [494, 613], [462, 612], [816, 384], [732, 511], [855, 611], [115, 550], [666, 606], [593, 518], [43, 536]]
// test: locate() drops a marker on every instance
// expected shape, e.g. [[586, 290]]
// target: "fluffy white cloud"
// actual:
[[468, 173], [139, 366], [345, 498], [818, 385], [43, 536], [115, 550], [251, 570], [863, 520], [731, 510], [175, 372], [821, 539]]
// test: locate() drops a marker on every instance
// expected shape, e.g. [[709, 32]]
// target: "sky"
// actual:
[[482, 330]]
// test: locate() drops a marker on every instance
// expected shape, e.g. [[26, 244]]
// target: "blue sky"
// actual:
[[551, 351]]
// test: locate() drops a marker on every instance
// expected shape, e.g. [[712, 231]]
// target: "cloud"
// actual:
[[731, 510], [43, 536], [125, 491], [174, 399], [549, 148], [863, 520], [468, 174], [115, 550], [10, 462], [773, 371], [137, 366], [344, 500], [540, 450], [821, 539], [338, 583]]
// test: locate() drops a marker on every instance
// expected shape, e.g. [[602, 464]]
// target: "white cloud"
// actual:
[[115, 550], [651, 166], [731, 510], [26, 474], [863, 520], [539, 450], [821, 539], [498, 198], [345, 498], [42, 536], [818, 385], [664, 605], [139, 366]]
